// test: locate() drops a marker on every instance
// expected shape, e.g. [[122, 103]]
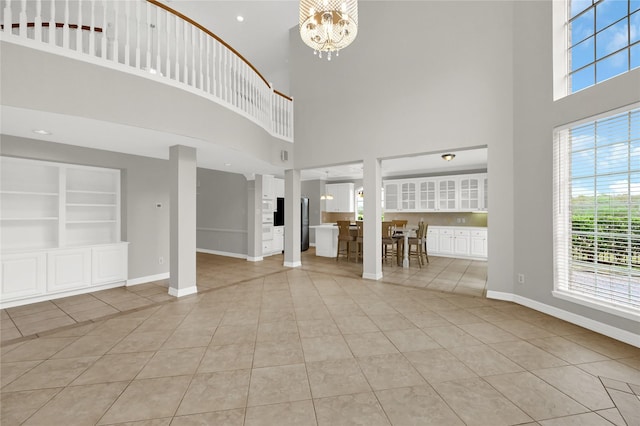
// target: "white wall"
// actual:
[[440, 82], [535, 116]]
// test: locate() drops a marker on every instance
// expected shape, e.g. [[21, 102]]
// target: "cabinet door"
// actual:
[[68, 269], [278, 185], [267, 187], [427, 195], [391, 196], [469, 193], [445, 241], [23, 275], [479, 244], [485, 193], [462, 242], [447, 194], [432, 241], [332, 204], [408, 196], [346, 197], [108, 264]]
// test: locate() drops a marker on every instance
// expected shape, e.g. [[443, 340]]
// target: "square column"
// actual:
[[292, 229], [182, 196], [254, 218], [372, 244]]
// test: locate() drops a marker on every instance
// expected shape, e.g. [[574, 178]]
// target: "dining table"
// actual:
[[405, 231]]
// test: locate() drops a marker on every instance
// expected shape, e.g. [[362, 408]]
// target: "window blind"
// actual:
[[597, 210]]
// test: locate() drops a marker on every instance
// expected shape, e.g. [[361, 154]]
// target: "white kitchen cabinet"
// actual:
[[447, 194], [446, 241], [277, 244], [408, 192], [391, 196], [427, 195], [478, 243], [441, 194], [432, 240], [267, 247], [461, 242], [469, 193], [343, 197], [278, 185], [457, 241], [401, 195], [485, 192], [52, 218], [268, 187]]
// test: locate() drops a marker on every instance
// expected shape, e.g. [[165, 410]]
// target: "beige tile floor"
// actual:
[[265, 345]]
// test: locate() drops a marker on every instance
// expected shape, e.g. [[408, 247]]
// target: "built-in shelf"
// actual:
[[76, 191], [52, 194], [89, 205], [60, 230], [27, 218], [73, 222]]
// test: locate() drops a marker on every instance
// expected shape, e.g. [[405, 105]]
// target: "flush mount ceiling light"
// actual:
[[42, 132], [240, 18], [448, 157], [328, 25]]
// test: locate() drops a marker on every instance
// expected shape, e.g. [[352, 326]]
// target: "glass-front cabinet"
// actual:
[[458, 193]]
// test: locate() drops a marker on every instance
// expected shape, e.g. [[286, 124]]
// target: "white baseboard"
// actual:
[[588, 323], [147, 279], [222, 253], [45, 297], [292, 264], [368, 276], [312, 244], [180, 292], [255, 259]]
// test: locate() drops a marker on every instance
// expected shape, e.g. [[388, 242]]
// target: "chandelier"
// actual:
[[328, 25]]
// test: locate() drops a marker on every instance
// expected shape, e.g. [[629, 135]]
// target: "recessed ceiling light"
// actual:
[[227, 164], [240, 18], [41, 132]]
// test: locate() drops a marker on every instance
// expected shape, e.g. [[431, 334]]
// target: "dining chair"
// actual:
[[388, 240], [417, 242], [359, 240], [344, 237]]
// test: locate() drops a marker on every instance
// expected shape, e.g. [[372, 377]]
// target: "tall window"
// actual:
[[597, 211], [604, 40]]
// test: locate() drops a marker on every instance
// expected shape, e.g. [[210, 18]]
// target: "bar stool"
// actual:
[[388, 240], [344, 236]]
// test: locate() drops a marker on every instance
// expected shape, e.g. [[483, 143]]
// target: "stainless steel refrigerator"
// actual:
[[304, 224]]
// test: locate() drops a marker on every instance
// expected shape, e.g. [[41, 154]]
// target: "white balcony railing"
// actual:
[[153, 38]]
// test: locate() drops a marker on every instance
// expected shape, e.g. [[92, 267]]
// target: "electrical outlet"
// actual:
[[520, 278], [161, 260]]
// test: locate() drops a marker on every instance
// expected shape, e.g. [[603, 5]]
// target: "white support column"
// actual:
[[293, 220], [254, 217], [372, 250], [182, 169]]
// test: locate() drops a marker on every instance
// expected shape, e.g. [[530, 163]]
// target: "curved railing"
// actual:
[[151, 37]]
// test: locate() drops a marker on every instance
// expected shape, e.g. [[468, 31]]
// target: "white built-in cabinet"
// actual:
[[343, 197], [268, 187], [461, 193], [60, 230], [457, 241], [278, 185]]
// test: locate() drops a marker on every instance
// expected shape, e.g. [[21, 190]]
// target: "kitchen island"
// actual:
[[326, 239]]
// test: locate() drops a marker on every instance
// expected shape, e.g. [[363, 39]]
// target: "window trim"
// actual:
[[561, 200]]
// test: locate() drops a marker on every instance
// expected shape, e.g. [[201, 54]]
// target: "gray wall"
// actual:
[[535, 116], [449, 86], [145, 182], [222, 211]]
